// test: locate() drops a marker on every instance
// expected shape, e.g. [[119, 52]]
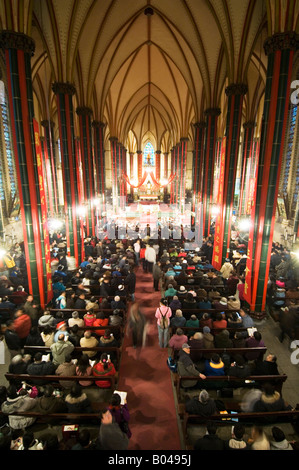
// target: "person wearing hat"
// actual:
[[117, 303], [202, 405], [182, 291], [233, 303], [115, 319], [121, 292], [208, 338], [186, 367], [220, 304], [61, 328]]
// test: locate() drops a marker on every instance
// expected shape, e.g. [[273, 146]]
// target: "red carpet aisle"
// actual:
[[146, 378]]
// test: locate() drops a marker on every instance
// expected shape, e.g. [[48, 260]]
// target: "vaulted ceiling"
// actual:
[[148, 69]]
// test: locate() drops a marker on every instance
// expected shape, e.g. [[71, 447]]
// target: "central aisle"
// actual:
[[147, 380]]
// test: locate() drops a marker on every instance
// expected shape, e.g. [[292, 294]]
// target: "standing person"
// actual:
[[13, 342], [120, 413], [137, 325], [150, 257], [130, 283], [163, 314], [22, 325], [258, 440], [157, 275], [137, 251], [225, 270], [142, 257]]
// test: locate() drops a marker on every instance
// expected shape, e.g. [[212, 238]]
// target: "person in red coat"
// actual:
[[104, 368], [22, 324]]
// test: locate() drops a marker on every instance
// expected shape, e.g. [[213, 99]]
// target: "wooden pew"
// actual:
[[230, 351], [188, 329], [55, 379], [251, 381], [102, 349], [117, 330], [59, 418], [251, 418]]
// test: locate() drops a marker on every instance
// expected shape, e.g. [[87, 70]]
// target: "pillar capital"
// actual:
[[15, 40], [236, 89], [47, 123], [65, 88], [212, 112], [98, 124], [84, 111], [249, 125], [200, 125], [139, 152], [281, 41]]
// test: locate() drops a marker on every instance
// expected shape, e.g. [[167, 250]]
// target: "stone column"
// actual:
[[18, 49], [280, 49], [64, 93], [235, 93], [208, 166]]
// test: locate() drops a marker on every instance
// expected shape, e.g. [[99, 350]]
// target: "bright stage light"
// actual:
[[81, 211], [95, 202], [2, 252], [215, 211], [54, 224], [244, 225]]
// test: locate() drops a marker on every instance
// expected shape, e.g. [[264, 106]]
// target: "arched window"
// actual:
[[8, 180], [149, 155]]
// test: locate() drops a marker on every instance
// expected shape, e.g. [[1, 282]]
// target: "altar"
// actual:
[[148, 195]]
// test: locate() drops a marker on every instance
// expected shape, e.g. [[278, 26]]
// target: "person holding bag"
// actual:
[[163, 314]]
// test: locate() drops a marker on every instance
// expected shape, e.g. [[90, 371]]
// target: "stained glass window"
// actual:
[[149, 155], [8, 180], [289, 144]]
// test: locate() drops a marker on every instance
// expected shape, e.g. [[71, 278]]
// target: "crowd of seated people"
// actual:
[[101, 287]]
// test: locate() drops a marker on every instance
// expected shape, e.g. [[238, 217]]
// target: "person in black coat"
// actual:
[[210, 441], [202, 405], [130, 283], [77, 401], [40, 367], [12, 339], [266, 367]]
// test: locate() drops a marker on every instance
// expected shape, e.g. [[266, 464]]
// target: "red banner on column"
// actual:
[[44, 210], [251, 210], [218, 237]]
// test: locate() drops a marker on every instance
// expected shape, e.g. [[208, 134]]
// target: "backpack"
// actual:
[[171, 364], [163, 321]]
